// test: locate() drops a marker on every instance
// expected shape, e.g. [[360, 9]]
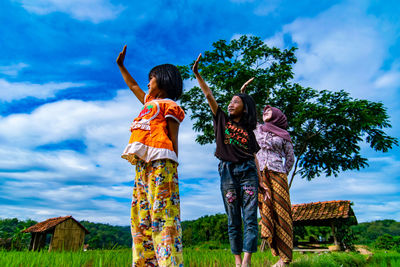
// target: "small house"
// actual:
[[327, 213], [66, 233]]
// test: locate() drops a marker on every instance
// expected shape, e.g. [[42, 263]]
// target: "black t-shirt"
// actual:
[[234, 143]]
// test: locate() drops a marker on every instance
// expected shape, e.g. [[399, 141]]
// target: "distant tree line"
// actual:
[[382, 234], [105, 236], [205, 229], [11, 236]]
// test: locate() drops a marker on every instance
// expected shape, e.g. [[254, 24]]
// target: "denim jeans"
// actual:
[[239, 188]]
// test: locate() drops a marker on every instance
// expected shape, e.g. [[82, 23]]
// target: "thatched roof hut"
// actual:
[[327, 213], [66, 234]]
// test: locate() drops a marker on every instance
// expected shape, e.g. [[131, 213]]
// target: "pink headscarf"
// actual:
[[277, 124]]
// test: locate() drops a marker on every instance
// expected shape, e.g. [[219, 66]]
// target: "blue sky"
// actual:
[[65, 110]]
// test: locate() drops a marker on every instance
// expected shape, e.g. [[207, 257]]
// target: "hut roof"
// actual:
[[50, 224], [322, 211]]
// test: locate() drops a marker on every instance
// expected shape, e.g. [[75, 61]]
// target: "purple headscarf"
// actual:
[[277, 124]]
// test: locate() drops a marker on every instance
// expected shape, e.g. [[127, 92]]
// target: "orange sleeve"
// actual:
[[176, 112]]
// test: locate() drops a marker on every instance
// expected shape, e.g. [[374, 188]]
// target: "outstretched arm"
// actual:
[[243, 89], [204, 87], [132, 84]]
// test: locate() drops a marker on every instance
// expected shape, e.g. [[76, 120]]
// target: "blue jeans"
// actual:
[[239, 188]]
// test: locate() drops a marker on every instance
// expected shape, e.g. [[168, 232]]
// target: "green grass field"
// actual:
[[193, 257]]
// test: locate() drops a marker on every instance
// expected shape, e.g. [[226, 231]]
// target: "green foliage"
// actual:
[[11, 229], [205, 229], [226, 68], [105, 236], [308, 233], [345, 235], [382, 259], [326, 127], [387, 242], [367, 232]]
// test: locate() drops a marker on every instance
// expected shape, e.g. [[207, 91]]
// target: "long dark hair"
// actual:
[[168, 79], [249, 117]]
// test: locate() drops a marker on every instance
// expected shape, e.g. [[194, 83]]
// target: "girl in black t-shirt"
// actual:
[[236, 148]]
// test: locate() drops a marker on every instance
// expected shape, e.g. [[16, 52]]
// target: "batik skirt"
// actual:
[[276, 215]]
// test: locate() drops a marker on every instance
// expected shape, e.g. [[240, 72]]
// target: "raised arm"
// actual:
[[204, 87], [243, 89], [132, 84]]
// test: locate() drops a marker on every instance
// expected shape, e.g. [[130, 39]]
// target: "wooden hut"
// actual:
[[327, 213], [66, 234]]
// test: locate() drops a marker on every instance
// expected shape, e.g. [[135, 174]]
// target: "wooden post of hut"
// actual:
[[66, 234], [335, 240]]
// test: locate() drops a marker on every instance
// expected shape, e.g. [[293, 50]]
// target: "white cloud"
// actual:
[[100, 179], [242, 1], [204, 198], [95, 11], [13, 70], [261, 7], [275, 41], [389, 79], [18, 90], [69, 119], [102, 214], [68, 178], [342, 48], [98, 176], [267, 7], [196, 161], [84, 62]]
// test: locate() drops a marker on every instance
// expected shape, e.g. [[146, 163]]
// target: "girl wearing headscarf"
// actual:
[[275, 160]]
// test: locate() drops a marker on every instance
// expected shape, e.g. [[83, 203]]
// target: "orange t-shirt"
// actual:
[[149, 139]]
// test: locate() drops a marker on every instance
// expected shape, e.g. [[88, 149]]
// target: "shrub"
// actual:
[[385, 241]]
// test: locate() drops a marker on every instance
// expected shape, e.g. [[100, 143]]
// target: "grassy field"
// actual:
[[193, 257]]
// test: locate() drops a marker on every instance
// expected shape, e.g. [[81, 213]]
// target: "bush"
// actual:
[[386, 242]]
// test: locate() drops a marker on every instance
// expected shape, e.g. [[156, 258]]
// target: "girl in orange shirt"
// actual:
[[153, 148]]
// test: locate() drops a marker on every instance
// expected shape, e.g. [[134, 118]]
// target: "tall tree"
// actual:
[[326, 127]]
